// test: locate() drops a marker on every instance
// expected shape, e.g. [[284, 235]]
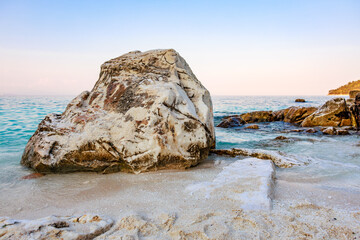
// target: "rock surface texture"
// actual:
[[82, 227], [147, 111], [332, 113]]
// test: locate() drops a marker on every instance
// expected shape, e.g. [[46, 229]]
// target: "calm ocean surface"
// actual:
[[336, 164]]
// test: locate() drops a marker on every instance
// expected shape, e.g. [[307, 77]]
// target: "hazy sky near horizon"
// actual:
[[260, 47]]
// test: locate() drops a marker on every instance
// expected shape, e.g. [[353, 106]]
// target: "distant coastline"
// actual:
[[345, 89]]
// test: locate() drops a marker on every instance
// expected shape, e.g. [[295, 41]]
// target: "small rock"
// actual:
[[311, 130], [300, 100], [349, 128], [281, 138], [254, 126], [297, 130], [329, 131], [342, 132], [231, 121]]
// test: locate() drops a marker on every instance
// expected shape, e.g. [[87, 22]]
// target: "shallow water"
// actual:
[[333, 176]]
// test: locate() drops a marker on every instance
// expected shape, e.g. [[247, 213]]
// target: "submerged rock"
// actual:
[[332, 113], [281, 138], [147, 111]]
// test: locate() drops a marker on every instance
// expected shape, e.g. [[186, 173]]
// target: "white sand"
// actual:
[[211, 201]]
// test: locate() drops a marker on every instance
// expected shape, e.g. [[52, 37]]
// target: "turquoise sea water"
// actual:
[[336, 164]]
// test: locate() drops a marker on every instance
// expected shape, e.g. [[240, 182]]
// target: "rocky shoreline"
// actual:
[[149, 114], [332, 118]]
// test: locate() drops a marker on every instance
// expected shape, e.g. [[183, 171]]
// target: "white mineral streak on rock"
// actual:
[[280, 159], [83, 227], [147, 111], [249, 182]]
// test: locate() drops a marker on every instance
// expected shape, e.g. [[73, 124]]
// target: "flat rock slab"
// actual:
[[249, 182], [280, 159], [53, 227]]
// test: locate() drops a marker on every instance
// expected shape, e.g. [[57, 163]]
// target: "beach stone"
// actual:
[[330, 114], [300, 100], [254, 126], [54, 227], [231, 121], [147, 111]]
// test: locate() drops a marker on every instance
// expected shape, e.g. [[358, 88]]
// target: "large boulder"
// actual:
[[147, 111], [332, 113], [353, 93]]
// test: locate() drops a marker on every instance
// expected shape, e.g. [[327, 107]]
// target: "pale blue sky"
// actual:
[[302, 47]]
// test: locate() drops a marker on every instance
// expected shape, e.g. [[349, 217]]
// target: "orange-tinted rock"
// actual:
[[300, 100], [331, 113], [254, 126], [353, 93], [298, 114], [258, 116], [281, 138], [345, 122]]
